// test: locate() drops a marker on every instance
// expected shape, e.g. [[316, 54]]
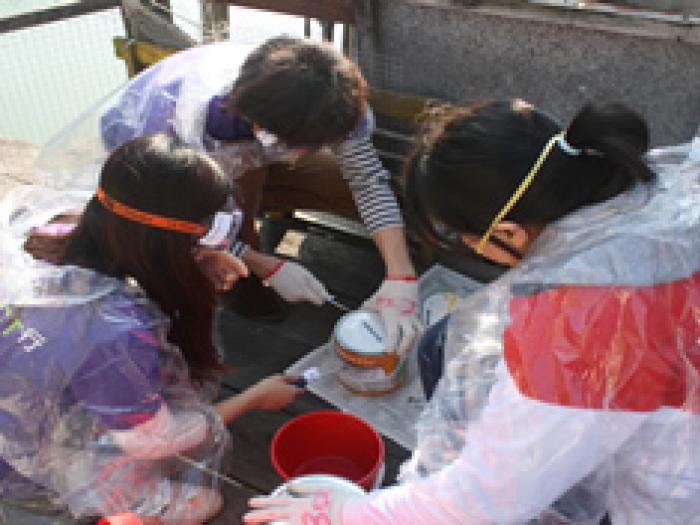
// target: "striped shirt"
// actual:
[[367, 179]]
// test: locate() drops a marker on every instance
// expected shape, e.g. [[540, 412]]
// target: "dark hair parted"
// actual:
[[157, 174], [469, 161], [305, 92]]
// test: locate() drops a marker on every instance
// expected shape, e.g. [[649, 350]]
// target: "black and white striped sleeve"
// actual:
[[369, 182], [238, 248]]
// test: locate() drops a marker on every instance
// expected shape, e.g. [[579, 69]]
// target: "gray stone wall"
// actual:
[[557, 59], [673, 6]]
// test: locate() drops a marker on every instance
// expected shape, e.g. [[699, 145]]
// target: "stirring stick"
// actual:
[[210, 471], [340, 306]]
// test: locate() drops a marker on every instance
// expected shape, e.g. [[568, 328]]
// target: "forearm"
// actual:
[[236, 406], [519, 457], [259, 263], [391, 242], [271, 393], [370, 184]]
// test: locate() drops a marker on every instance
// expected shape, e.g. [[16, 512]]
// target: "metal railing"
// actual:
[[55, 14], [29, 43]]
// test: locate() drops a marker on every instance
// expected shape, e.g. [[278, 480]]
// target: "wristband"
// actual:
[[274, 270], [401, 278]]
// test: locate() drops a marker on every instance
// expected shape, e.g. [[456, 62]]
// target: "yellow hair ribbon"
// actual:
[[524, 185]]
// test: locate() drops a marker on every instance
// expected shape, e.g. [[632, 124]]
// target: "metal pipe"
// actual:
[[55, 14]]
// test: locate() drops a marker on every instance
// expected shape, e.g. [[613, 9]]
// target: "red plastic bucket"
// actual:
[[328, 442]]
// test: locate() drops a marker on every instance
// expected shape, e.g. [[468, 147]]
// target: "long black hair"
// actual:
[[469, 161], [159, 175]]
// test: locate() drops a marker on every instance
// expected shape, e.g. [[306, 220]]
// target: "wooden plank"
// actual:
[[54, 14], [343, 11], [145, 53], [398, 105], [351, 273], [235, 504], [252, 435], [258, 349]]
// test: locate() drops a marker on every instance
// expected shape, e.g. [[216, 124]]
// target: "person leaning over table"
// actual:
[[108, 366], [570, 386], [283, 101]]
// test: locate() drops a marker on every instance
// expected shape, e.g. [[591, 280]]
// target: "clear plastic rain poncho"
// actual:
[[572, 384], [181, 95], [96, 409]]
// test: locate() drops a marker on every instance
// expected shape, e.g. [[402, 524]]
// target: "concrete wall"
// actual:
[[557, 59], [677, 6]]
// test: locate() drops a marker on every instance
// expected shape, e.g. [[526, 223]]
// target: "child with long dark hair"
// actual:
[[107, 343], [569, 388]]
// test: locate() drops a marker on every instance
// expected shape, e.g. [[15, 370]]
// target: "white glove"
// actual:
[[396, 300], [296, 284], [312, 505]]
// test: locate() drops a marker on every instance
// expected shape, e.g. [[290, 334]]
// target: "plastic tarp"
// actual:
[[162, 98], [394, 414]]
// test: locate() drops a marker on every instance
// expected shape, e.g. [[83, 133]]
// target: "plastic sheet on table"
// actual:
[[394, 414]]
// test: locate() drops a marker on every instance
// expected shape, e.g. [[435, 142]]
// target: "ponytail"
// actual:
[[468, 163], [614, 135]]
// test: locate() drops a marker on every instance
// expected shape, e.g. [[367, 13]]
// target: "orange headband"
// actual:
[[149, 219]]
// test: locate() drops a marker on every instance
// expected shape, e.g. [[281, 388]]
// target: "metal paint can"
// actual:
[[370, 369]]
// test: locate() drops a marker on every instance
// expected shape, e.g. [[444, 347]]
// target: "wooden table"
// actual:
[[351, 269]]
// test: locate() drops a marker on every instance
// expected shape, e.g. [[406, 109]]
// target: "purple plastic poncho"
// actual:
[[95, 404], [179, 95]]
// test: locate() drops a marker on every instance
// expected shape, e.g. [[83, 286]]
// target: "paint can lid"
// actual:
[[361, 332]]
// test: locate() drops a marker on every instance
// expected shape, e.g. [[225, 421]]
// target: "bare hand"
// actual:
[[275, 392], [221, 268]]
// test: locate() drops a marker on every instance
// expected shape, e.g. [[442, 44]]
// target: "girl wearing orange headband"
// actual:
[[107, 345]]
